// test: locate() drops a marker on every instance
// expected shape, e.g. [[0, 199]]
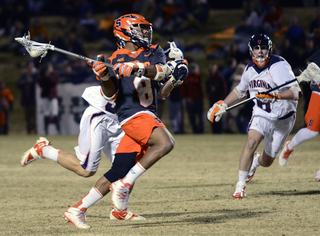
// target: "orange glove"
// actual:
[[125, 69], [268, 98], [218, 106]]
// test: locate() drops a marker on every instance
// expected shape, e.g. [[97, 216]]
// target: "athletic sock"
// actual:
[[243, 175], [51, 153], [91, 198], [133, 174]]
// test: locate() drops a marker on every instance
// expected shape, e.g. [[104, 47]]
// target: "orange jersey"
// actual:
[[312, 117]]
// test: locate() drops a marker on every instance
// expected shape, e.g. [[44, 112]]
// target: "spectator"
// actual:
[[74, 45], [191, 91], [27, 85], [228, 71], [242, 35], [273, 21], [175, 109], [295, 33], [39, 32], [48, 81], [6, 106], [314, 29], [256, 18], [216, 89], [88, 26], [291, 54]]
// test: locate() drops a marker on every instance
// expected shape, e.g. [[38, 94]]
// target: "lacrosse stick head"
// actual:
[[310, 74], [174, 52], [34, 49]]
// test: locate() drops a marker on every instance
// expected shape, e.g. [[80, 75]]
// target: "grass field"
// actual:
[[188, 192]]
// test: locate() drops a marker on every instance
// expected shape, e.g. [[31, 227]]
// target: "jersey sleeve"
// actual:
[[281, 73]]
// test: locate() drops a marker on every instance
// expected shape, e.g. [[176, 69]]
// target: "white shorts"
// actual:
[[275, 132], [50, 107], [98, 132]]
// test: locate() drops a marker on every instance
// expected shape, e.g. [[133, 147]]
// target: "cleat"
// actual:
[[119, 195], [318, 175], [240, 190], [125, 214], [285, 154], [35, 152], [76, 217], [253, 169]]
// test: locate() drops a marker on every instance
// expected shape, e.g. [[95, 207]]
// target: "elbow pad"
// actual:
[[239, 93], [161, 72], [297, 93]]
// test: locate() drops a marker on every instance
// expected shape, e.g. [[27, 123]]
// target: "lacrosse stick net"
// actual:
[[34, 49]]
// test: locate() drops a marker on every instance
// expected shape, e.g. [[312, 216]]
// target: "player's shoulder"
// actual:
[[276, 60]]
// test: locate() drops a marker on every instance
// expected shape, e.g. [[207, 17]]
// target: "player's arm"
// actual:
[[293, 93]]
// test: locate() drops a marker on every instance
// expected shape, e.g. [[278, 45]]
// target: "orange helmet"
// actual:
[[134, 28]]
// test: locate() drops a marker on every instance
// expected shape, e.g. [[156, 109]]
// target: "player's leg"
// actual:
[[246, 157], [312, 119], [151, 132]]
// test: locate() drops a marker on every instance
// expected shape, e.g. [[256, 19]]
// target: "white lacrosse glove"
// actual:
[[125, 69], [268, 97], [179, 73], [220, 107]]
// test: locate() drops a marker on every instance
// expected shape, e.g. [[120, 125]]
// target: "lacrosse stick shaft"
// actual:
[[249, 99], [77, 55]]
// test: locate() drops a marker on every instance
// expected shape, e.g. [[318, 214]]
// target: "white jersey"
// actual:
[[278, 72], [93, 95], [99, 130]]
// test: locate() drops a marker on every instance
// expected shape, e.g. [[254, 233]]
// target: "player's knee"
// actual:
[[252, 143], [121, 165], [85, 174]]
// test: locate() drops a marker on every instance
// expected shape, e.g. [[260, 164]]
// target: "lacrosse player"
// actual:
[[273, 114], [312, 118], [99, 131], [146, 139]]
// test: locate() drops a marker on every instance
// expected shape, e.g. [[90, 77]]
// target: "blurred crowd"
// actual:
[[78, 25]]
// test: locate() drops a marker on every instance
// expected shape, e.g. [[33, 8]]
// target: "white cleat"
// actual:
[[76, 217], [253, 169], [119, 194], [318, 175], [125, 214], [35, 152], [285, 154], [240, 190]]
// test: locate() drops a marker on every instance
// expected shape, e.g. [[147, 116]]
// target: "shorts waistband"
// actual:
[[287, 116]]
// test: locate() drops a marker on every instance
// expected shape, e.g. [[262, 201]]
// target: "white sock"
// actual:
[[243, 175], [91, 198], [51, 153], [303, 134], [134, 173]]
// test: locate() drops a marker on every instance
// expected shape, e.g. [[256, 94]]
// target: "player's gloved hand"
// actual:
[[218, 106], [268, 97], [100, 69], [171, 65], [125, 69], [179, 73]]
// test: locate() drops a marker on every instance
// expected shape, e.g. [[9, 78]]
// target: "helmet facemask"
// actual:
[[260, 47], [141, 34]]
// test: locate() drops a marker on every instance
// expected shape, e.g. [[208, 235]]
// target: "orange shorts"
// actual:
[[137, 133], [312, 117]]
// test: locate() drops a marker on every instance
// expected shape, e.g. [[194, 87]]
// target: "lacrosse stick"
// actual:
[[174, 52], [36, 49], [310, 74]]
